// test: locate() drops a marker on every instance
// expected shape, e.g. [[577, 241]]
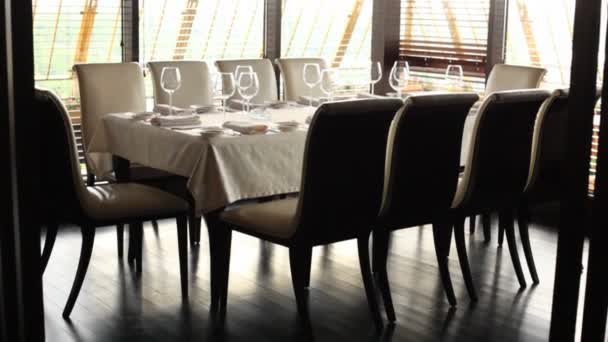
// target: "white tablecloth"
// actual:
[[220, 170]]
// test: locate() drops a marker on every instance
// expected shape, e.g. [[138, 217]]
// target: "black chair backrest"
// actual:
[[498, 163], [343, 169], [423, 158], [60, 188]]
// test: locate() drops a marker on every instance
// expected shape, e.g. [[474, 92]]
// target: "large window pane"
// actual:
[[338, 31], [73, 31], [201, 30]]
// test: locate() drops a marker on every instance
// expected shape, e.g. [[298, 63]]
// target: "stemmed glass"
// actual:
[[170, 81], [375, 74], [248, 86], [454, 76], [224, 87], [399, 76], [311, 74], [328, 82]]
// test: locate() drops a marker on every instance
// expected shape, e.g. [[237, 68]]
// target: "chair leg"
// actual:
[[472, 223], [506, 221], [442, 234], [223, 270], [297, 264], [88, 237], [462, 257], [368, 280], [307, 255], [49, 242], [486, 221], [120, 239], [213, 248], [155, 226], [182, 246], [194, 223], [136, 234], [523, 217], [380, 260]]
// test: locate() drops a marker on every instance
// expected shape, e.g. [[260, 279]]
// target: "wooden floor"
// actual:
[[115, 305]]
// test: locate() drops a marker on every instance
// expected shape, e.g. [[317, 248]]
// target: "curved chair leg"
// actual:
[[49, 242], [194, 223], [155, 226], [297, 264], [462, 257], [486, 221], [368, 280], [442, 235], [88, 237], [501, 234], [120, 239], [135, 252], [506, 221], [380, 259], [523, 217], [307, 254], [223, 268], [472, 223], [182, 246]]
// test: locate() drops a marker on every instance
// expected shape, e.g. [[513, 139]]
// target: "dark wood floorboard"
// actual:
[[117, 305]]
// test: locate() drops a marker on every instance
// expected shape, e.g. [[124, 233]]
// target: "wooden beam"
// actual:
[[54, 39], [185, 29], [130, 30], [576, 170], [497, 34], [86, 29], [385, 38], [273, 12], [526, 23], [158, 29], [210, 31], [348, 33]]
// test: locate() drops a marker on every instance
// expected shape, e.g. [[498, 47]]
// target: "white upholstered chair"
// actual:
[[266, 75], [66, 199], [291, 73], [196, 87]]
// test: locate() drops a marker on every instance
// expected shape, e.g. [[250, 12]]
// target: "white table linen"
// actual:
[[220, 170]]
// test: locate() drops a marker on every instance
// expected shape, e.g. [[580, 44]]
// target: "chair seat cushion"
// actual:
[[273, 218], [130, 200]]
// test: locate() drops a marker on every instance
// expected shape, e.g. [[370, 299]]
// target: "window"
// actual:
[[436, 33], [208, 30], [73, 31], [338, 31]]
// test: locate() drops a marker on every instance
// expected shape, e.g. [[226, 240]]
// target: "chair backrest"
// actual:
[[423, 158], [291, 72], [63, 188], [343, 169], [513, 77], [196, 87], [264, 69], [499, 154], [108, 88]]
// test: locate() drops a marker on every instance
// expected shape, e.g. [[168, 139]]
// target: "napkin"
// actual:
[[164, 109], [140, 115], [176, 120], [245, 127]]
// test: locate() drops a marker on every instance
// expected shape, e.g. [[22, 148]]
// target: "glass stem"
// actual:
[[373, 89], [310, 99], [171, 103]]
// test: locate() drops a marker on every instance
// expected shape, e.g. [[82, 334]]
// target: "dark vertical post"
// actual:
[[20, 178], [272, 33], [596, 301], [497, 33], [576, 169], [130, 31], [386, 23]]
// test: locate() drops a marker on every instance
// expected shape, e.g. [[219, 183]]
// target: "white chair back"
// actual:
[[196, 86], [291, 71], [266, 75], [514, 77]]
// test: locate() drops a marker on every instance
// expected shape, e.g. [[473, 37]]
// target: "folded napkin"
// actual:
[[164, 109], [176, 120], [305, 100], [245, 127], [140, 115]]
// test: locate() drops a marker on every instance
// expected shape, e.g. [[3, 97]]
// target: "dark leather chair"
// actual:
[[66, 198], [339, 200], [422, 168]]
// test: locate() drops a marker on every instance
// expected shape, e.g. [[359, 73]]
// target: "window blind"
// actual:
[[338, 31], [437, 33]]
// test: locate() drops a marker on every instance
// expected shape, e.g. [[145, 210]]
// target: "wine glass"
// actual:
[[311, 74], [454, 76], [241, 69], [224, 87], [248, 86], [328, 81], [399, 76], [375, 74], [170, 81]]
